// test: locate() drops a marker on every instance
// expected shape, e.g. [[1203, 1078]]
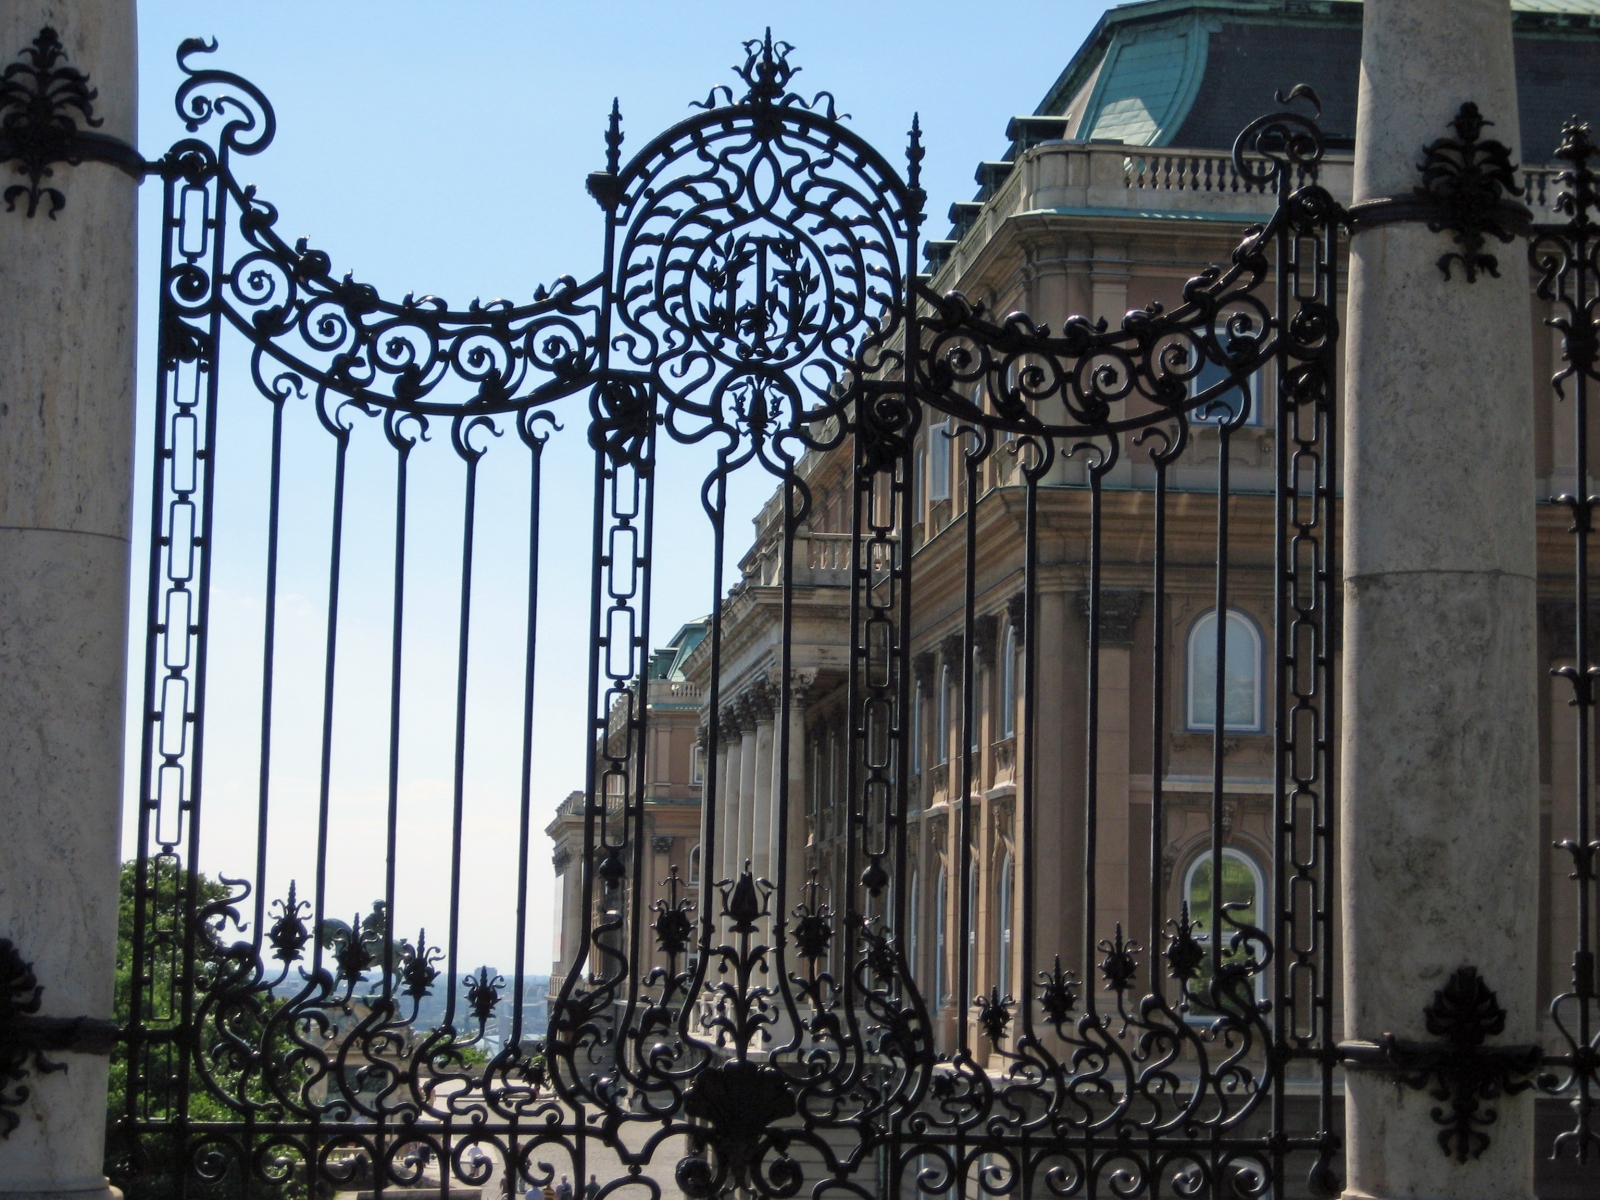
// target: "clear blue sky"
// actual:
[[442, 148]]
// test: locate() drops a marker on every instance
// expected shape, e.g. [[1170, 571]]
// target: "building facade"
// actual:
[[1114, 194]]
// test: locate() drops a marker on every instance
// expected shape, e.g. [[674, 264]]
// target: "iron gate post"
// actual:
[[67, 262], [1440, 772]]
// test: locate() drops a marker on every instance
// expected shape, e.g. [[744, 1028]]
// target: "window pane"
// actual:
[[1240, 683]]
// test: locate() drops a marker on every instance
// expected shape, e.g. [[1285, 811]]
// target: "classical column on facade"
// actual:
[[1113, 857], [732, 731], [1440, 776], [764, 698], [1060, 658], [749, 718], [67, 270], [792, 842]]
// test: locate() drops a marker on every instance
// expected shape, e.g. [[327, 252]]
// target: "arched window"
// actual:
[[946, 707], [1243, 886], [694, 867], [1008, 684], [939, 461], [940, 986], [1241, 684], [1003, 927]]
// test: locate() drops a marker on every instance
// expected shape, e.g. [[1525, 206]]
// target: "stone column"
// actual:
[[728, 795], [762, 794], [1440, 796], [66, 448], [795, 838], [1119, 611], [747, 789]]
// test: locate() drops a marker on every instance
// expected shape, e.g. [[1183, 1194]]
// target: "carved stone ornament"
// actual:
[[1119, 612], [1460, 1071], [1467, 183], [42, 100], [1017, 614], [25, 1036], [922, 670], [661, 844], [950, 651], [985, 637]]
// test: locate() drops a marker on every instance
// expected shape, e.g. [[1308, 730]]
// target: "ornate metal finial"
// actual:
[[289, 934], [604, 186], [25, 1035], [417, 969], [483, 993], [673, 924], [766, 69], [1058, 994], [1467, 181], [915, 152], [1578, 199], [1458, 1070], [994, 1013], [42, 99]]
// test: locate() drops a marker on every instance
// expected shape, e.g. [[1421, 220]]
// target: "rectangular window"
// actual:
[[1225, 406]]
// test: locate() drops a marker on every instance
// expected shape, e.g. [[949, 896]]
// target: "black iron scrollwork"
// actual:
[[25, 1036], [1460, 1070], [1467, 182], [39, 95], [1565, 258], [758, 299]]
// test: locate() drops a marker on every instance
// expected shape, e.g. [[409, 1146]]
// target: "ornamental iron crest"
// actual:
[[42, 99], [1459, 1070], [1467, 180]]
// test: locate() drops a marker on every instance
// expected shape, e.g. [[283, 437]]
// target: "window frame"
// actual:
[[1190, 722], [1256, 419], [1003, 925], [1008, 683]]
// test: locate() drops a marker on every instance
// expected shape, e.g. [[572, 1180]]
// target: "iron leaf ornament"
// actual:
[[1467, 179], [1459, 1070], [25, 1035], [42, 99]]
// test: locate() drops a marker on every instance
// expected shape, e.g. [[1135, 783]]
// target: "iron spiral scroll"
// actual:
[[758, 298]]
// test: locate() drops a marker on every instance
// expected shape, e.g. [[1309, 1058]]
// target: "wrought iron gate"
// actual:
[[759, 299]]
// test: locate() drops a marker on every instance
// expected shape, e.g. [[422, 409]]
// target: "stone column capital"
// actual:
[[1017, 614], [950, 649], [1119, 612], [985, 638]]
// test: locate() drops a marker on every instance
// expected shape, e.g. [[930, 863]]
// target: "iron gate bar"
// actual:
[[835, 346], [1564, 257]]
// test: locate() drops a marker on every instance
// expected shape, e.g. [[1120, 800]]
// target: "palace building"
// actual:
[[1112, 194]]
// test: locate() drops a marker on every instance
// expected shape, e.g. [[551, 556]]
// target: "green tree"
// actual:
[[152, 1168]]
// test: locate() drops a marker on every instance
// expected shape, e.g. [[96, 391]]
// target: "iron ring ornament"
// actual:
[[757, 295], [1468, 182]]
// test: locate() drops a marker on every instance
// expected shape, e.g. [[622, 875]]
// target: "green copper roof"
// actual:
[[1148, 82]]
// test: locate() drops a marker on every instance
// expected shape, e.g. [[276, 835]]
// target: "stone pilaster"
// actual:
[[1440, 792], [67, 273]]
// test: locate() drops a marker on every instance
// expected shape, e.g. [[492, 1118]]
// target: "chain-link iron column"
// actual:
[[67, 240], [1440, 783]]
